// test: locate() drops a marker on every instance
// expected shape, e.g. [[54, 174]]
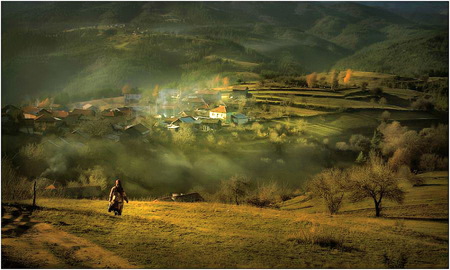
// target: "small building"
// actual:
[[31, 110], [137, 130], [46, 122], [210, 124], [239, 119], [88, 113], [89, 106], [181, 197], [218, 113], [72, 119], [60, 114]]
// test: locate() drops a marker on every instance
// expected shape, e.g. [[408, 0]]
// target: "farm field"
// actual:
[[182, 235]]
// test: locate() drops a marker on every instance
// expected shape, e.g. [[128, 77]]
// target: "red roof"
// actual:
[[31, 109], [60, 114], [83, 112], [220, 109], [29, 116]]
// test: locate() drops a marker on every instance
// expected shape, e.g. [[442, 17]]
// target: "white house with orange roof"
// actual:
[[218, 113]]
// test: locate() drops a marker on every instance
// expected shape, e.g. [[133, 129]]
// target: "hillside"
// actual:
[[91, 50], [211, 235]]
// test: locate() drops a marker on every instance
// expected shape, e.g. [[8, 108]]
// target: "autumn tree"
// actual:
[[334, 83], [377, 181], [311, 79], [330, 186]]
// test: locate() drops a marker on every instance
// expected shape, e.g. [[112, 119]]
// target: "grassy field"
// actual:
[[299, 235]]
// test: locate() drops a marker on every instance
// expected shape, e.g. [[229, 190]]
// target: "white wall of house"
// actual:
[[217, 115]]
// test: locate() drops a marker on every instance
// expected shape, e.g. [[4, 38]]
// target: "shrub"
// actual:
[[329, 185], [316, 235], [14, 187], [423, 104], [395, 259], [268, 194], [377, 91], [385, 116], [405, 173], [382, 101], [428, 162]]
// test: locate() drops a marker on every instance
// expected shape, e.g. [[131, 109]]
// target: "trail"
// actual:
[[27, 243]]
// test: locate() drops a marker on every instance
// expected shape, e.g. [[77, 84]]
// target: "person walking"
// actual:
[[117, 196]]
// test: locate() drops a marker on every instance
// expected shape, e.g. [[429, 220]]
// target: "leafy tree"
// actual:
[[377, 181]]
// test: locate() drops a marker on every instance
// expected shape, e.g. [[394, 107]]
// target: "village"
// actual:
[[205, 110]]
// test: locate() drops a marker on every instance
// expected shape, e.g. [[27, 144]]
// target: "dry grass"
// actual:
[[182, 235]]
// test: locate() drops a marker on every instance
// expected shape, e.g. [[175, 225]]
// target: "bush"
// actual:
[[13, 186], [377, 91], [405, 173], [395, 259], [329, 185], [316, 235], [429, 162], [385, 116], [269, 194], [423, 104]]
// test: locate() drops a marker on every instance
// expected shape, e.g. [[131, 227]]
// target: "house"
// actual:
[[210, 124], [88, 113], [31, 110], [60, 114], [239, 119], [137, 130], [14, 113], [127, 111], [45, 112], [58, 107], [218, 113], [185, 119], [89, 106], [72, 119], [46, 122], [180, 197]]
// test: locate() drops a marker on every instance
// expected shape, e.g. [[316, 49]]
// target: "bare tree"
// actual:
[[377, 181], [235, 188], [330, 186]]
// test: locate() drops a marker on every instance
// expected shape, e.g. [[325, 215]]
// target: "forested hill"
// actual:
[[91, 49]]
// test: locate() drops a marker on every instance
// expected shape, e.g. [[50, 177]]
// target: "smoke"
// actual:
[[348, 75]]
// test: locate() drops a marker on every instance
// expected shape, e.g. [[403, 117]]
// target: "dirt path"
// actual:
[[27, 243]]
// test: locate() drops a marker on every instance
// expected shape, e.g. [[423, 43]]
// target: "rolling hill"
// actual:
[[90, 50]]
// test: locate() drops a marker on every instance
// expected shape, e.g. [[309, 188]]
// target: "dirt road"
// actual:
[[27, 243]]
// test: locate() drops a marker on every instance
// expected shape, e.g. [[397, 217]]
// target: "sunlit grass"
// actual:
[[213, 235]]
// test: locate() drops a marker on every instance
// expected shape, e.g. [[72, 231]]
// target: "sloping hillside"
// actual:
[[210, 235], [90, 50]]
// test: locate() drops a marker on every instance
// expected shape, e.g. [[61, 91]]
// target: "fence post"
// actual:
[[34, 194]]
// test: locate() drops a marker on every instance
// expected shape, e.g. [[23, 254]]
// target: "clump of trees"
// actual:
[[425, 150], [373, 180]]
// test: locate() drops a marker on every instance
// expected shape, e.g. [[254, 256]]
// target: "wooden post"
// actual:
[[34, 195]]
